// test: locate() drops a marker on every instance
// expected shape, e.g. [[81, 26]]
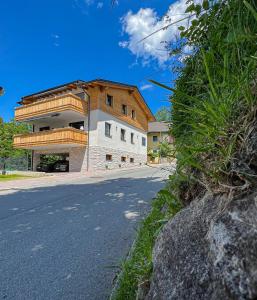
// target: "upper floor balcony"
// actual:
[[51, 139], [69, 105]]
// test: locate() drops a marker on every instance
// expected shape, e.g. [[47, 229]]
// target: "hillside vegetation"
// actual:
[[214, 121], [214, 102]]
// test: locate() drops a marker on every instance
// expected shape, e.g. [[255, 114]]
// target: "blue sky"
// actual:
[[47, 43]]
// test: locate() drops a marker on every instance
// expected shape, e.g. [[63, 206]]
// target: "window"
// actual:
[[124, 109], [132, 138], [131, 159], [81, 96], [122, 134], [155, 138], [123, 159], [109, 100], [108, 129], [133, 114], [108, 157], [44, 128], [77, 125], [143, 141]]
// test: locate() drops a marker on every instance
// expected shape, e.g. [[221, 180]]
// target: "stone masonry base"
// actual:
[[98, 160]]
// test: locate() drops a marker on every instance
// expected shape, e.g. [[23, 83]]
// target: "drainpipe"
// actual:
[[88, 124], [32, 153]]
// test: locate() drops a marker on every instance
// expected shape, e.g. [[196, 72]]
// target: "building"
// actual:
[[98, 124], [158, 132]]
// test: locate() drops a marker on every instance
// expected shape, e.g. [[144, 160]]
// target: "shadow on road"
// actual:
[[68, 235]]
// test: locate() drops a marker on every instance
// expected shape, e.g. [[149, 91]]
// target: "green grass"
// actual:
[[214, 101], [12, 177], [138, 266]]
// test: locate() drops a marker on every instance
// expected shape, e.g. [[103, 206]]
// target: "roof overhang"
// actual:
[[101, 83]]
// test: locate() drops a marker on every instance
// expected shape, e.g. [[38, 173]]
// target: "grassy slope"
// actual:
[[138, 266]]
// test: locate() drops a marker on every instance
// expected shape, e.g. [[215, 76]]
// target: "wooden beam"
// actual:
[[102, 88]]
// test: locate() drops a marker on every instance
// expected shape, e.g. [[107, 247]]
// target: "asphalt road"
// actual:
[[66, 241]]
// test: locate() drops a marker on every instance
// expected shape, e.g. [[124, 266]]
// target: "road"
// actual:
[[66, 241]]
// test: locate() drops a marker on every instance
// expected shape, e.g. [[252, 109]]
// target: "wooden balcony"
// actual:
[[51, 139], [48, 107]]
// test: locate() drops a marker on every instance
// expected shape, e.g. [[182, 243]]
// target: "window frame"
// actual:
[[155, 136], [124, 109], [107, 100], [108, 159], [133, 114], [105, 132], [132, 140], [123, 137], [143, 141]]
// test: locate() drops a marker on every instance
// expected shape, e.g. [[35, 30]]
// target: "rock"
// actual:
[[208, 251]]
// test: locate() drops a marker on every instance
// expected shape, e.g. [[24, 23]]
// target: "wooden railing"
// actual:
[[59, 136], [51, 105]]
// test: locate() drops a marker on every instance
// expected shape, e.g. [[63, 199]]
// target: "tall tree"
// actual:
[[7, 132], [163, 114]]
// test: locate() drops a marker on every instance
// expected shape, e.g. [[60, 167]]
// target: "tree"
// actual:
[[163, 114], [7, 132], [165, 150]]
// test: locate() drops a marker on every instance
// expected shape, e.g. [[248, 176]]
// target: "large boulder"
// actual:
[[208, 251]]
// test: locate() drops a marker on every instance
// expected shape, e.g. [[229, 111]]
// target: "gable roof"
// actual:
[[99, 81], [158, 127]]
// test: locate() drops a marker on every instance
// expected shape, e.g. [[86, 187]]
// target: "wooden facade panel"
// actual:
[[120, 97], [51, 137], [51, 105]]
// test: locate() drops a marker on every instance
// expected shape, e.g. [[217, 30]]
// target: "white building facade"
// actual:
[[113, 124]]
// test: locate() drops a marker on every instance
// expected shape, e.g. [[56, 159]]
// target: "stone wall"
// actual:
[[98, 158]]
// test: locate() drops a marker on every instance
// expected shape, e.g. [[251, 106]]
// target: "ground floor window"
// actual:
[[131, 159], [108, 157], [123, 159]]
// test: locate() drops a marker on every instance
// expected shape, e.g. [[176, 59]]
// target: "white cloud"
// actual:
[[124, 44], [55, 38], [146, 87], [100, 5], [146, 21], [89, 2]]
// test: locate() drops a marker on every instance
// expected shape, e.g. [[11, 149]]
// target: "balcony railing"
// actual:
[[67, 102], [69, 137]]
